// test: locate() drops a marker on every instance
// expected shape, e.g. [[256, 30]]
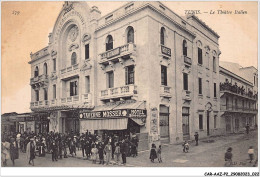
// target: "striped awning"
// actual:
[[103, 124]]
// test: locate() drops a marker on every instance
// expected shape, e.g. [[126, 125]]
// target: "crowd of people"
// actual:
[[236, 89], [96, 148]]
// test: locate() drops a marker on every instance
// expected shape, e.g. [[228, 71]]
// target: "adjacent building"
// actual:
[[238, 97], [141, 68]]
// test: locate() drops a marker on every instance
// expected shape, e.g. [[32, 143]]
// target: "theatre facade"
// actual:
[[139, 69]]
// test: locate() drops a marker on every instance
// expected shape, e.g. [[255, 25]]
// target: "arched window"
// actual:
[[45, 68], [130, 35], [73, 58], [109, 43], [36, 71], [162, 36], [184, 48]]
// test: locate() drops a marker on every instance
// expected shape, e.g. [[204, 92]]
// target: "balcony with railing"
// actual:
[[37, 104], [53, 102], [69, 71], [165, 91], [70, 99], [117, 54], [186, 95], [237, 109], [119, 92], [39, 80], [233, 89]]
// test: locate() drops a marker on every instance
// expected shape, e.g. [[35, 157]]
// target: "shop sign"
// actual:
[[137, 113], [132, 113]]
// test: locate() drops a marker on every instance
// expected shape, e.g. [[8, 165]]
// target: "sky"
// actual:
[[25, 27]]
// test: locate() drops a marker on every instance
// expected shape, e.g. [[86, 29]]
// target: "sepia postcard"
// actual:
[[113, 86]]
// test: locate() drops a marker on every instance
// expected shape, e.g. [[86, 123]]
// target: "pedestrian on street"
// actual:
[[108, 152], [83, 145], [30, 151], [101, 152], [159, 154], [123, 149], [54, 149], [153, 154], [14, 150], [196, 138], [251, 153], [5, 154], [41, 149], [117, 153], [73, 146], [186, 146], [247, 129], [228, 157], [94, 154]]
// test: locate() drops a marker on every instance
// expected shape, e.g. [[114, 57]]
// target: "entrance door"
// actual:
[[186, 122], [208, 123], [164, 121]]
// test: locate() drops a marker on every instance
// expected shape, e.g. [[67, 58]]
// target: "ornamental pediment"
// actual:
[[86, 37], [73, 47]]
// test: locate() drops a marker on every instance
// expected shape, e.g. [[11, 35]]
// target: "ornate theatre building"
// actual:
[[141, 68]]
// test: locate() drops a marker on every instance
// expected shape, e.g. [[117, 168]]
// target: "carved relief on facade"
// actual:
[[86, 37], [73, 33], [86, 66]]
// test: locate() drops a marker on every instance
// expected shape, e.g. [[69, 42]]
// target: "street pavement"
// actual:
[[207, 154]]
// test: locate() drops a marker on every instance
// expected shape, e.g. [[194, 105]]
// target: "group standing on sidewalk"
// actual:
[[93, 147]]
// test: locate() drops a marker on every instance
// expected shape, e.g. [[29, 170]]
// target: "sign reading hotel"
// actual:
[[131, 113]]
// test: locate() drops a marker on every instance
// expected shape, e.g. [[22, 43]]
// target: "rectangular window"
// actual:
[[235, 103], [87, 51], [37, 95], [215, 121], [215, 90], [110, 79], [54, 64], [130, 75], [163, 75], [200, 86], [87, 84], [208, 89], [45, 94], [54, 91], [73, 88], [214, 64], [243, 104], [201, 122], [185, 81], [200, 56]]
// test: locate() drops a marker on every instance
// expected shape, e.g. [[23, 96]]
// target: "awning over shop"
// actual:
[[104, 124], [139, 121]]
